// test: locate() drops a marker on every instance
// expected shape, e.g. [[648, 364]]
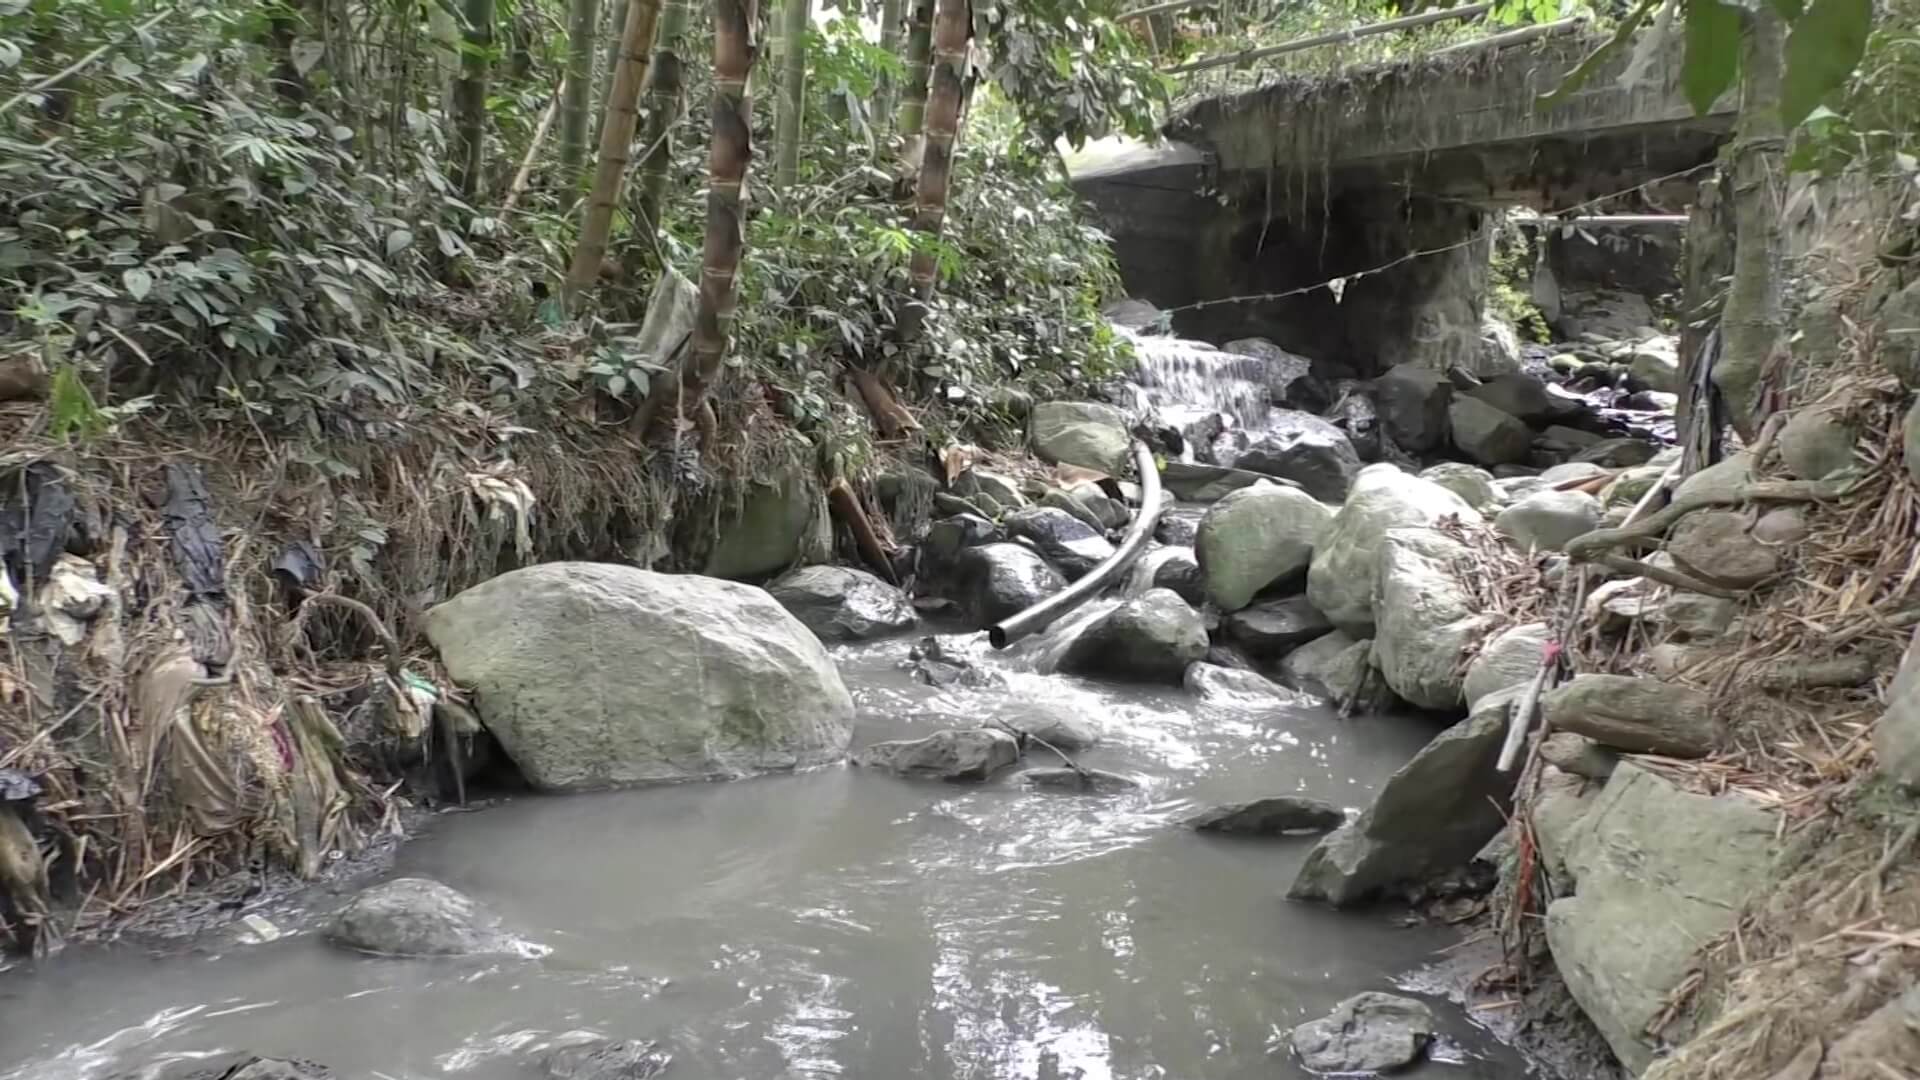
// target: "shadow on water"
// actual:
[[831, 924]]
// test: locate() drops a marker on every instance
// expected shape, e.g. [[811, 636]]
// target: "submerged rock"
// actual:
[[1367, 1033], [1340, 581], [1255, 537], [234, 1067], [418, 917], [998, 580], [839, 603], [1331, 665], [1618, 453], [1272, 628], [1232, 687], [1640, 716], [1076, 781], [1045, 724], [1426, 617], [1082, 433], [1068, 543], [608, 1059], [1275, 815], [593, 675], [1150, 638], [957, 756]]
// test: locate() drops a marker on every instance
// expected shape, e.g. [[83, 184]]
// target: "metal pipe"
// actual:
[[1014, 627]]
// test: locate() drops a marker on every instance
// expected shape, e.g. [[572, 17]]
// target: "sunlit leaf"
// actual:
[[399, 240], [1823, 48], [1621, 36], [1713, 52], [138, 282]]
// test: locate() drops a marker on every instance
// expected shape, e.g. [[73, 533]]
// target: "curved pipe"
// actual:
[[1014, 627]]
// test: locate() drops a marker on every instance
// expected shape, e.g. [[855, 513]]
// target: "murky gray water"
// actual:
[[832, 924]]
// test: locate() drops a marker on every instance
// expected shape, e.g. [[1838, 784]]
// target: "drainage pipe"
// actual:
[[1014, 627]]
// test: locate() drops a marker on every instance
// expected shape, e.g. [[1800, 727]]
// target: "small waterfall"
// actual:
[[1180, 376]]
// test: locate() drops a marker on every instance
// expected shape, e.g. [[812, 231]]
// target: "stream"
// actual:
[[836, 923]]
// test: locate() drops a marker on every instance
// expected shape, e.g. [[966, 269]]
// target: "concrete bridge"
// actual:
[[1355, 175]]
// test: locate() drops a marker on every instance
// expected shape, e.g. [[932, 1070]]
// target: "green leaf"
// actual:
[[1822, 49], [1788, 9], [1713, 52], [138, 282], [399, 240], [1621, 36]]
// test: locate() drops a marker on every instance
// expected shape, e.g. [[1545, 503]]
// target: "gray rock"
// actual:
[[1239, 688], [1818, 441], [1412, 403], [1425, 618], [594, 675], [1473, 485], [1519, 396], [1716, 545], [417, 917], [1900, 335], [1305, 449], [1340, 581], [608, 1059], [1355, 414], [1271, 628], [1572, 470], [1192, 482], [1656, 365], [240, 1066], [1324, 665], [1896, 738], [949, 536], [1076, 781], [1568, 437], [1110, 512], [1289, 377], [777, 525], [1640, 716], [1603, 314], [979, 483], [1717, 482], [1431, 817], [998, 580], [1618, 453], [1548, 520], [1132, 314], [1071, 545], [1627, 488], [1645, 847], [1499, 347], [1151, 638], [1910, 440], [1780, 526], [1508, 658], [1367, 1033], [1255, 537], [839, 603], [1694, 617], [1169, 568], [1486, 434], [1275, 815], [1179, 525], [1055, 499], [1578, 755], [962, 756], [1082, 433], [1045, 723], [1558, 807]]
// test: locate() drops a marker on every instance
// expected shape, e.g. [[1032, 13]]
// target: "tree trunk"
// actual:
[[616, 27], [1751, 321], [733, 57], [666, 84], [947, 96], [793, 93], [913, 100], [616, 145], [470, 97], [283, 30], [576, 105], [891, 32]]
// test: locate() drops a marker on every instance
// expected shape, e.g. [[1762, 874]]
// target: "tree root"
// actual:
[[1590, 547]]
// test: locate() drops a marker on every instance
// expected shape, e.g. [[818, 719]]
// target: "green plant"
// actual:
[[1509, 285]]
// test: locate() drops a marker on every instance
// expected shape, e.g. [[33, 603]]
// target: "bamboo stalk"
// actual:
[[947, 94], [584, 18], [525, 173], [616, 145]]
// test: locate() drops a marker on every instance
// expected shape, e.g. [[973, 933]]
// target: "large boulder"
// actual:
[[1717, 545], [955, 756], [1275, 815], [1549, 520], [418, 917], [1509, 658], [998, 580], [1255, 537], [1341, 578], [1896, 738], [1272, 628], [1470, 482], [1603, 314], [593, 675], [1305, 449], [1367, 1033], [1431, 817], [1520, 396], [1660, 873], [1151, 638], [839, 603], [1062, 539], [1486, 434], [776, 525], [1655, 364], [1082, 433], [1640, 716], [1289, 377], [1412, 402], [1424, 616]]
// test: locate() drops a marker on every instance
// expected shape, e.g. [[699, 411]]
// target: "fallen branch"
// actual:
[[366, 613], [1588, 548], [846, 506], [1676, 579], [525, 173], [891, 417], [1028, 736]]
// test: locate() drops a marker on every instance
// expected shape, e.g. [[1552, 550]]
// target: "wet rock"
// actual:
[[956, 756], [1568, 438], [1486, 434], [1646, 846], [1151, 638], [1367, 1033], [1896, 738], [1289, 378], [1321, 666], [1618, 453], [1548, 520], [1045, 723], [1255, 537], [1431, 817], [942, 661], [1473, 485], [1340, 581], [1715, 545], [1508, 658], [1239, 688], [1425, 617], [1412, 402], [949, 536], [998, 580], [608, 1059], [1071, 545], [1179, 526], [1817, 442], [1273, 627], [1640, 716], [1276, 815], [1578, 755], [1055, 499], [1109, 512], [1001, 490], [1355, 414], [1132, 314], [595, 675], [417, 917], [1168, 568], [1076, 781], [778, 524], [1655, 365], [1520, 396], [1082, 433], [839, 603], [1193, 482], [234, 1067], [1305, 449]]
